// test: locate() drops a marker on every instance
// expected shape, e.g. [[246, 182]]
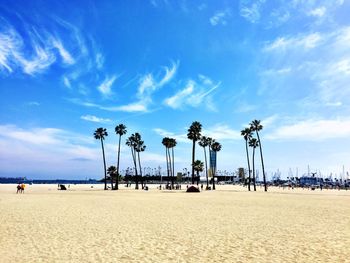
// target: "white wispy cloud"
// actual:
[[219, 132], [132, 107], [313, 130], [93, 118], [33, 103], [319, 59], [32, 54], [280, 71], [308, 41], [164, 133], [99, 60], [181, 97], [193, 94], [106, 86], [318, 12], [42, 151], [66, 56], [222, 132], [250, 10], [219, 18], [148, 84], [66, 81]]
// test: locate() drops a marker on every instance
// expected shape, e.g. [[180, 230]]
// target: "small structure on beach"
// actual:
[[192, 189]]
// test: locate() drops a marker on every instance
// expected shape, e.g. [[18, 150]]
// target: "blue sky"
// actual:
[[67, 68]]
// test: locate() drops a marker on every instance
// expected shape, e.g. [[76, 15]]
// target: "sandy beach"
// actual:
[[85, 224]]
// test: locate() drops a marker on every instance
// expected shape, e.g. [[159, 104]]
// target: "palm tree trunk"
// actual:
[[135, 165], [172, 152], [214, 173], [104, 163], [193, 157], [171, 170], [167, 162], [249, 178], [254, 169], [117, 181], [206, 166], [138, 154], [262, 161]]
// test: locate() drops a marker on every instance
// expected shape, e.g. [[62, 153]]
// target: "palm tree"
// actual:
[[198, 167], [131, 142], [253, 142], [165, 142], [172, 144], [112, 171], [204, 142], [256, 126], [139, 147], [215, 147], [120, 130], [100, 134], [194, 134], [247, 135]]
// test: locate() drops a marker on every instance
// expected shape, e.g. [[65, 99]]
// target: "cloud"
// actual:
[[304, 41], [93, 118], [281, 71], [318, 12], [32, 52], [66, 82], [33, 103], [106, 86], [181, 97], [179, 137], [99, 60], [193, 94], [313, 130], [219, 18], [250, 10], [148, 84], [318, 61], [132, 107], [43, 152], [222, 132], [66, 56], [219, 132]]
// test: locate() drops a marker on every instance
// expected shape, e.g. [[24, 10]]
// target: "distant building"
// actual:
[[310, 180]]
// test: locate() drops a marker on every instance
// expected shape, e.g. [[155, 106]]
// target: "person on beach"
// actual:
[[18, 188], [22, 188]]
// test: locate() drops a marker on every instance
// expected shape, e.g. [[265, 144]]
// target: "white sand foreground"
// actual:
[[230, 224]]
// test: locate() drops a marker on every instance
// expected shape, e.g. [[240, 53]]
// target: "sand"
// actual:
[[230, 224]]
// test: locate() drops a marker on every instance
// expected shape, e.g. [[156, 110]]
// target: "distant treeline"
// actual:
[[11, 180]]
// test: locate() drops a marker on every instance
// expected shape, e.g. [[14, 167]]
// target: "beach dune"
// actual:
[[85, 224]]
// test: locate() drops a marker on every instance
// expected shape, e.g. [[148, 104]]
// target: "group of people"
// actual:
[[20, 188]]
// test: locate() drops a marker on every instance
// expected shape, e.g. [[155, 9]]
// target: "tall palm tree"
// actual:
[[120, 130], [253, 142], [112, 171], [204, 142], [100, 134], [165, 142], [172, 144], [256, 126], [194, 134], [198, 167], [215, 147], [139, 147], [131, 142], [247, 135]]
